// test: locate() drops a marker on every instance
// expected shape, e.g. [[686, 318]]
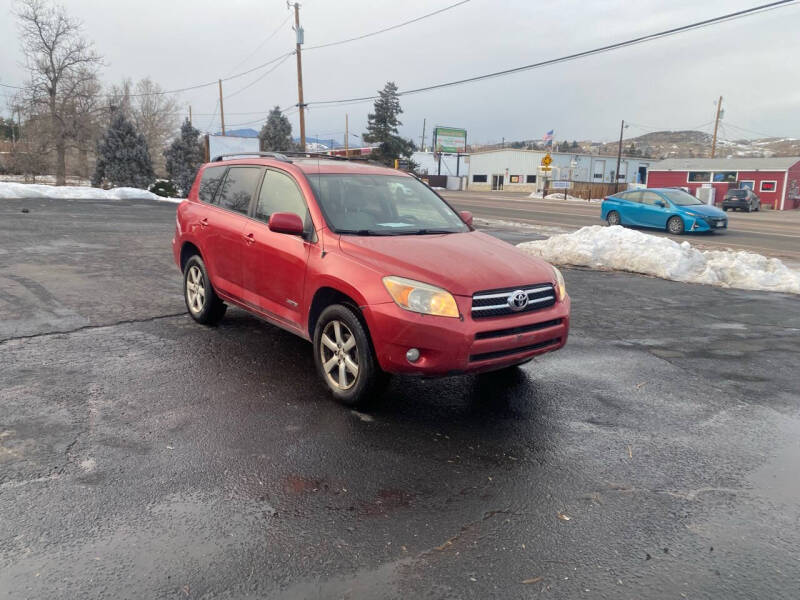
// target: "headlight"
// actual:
[[421, 297], [561, 287]]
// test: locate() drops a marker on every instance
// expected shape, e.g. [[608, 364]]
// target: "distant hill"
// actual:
[[673, 144]]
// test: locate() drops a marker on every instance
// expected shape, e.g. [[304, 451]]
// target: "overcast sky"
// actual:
[[666, 84]]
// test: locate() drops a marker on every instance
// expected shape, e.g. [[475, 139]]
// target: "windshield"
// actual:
[[680, 198], [382, 205]]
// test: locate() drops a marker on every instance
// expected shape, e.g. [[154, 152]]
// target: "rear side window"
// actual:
[[238, 188], [279, 193], [631, 196], [209, 182]]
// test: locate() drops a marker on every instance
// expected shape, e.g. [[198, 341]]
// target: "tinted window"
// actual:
[[209, 182], [238, 188], [650, 198], [681, 198], [737, 194], [479, 179], [631, 196], [279, 193]]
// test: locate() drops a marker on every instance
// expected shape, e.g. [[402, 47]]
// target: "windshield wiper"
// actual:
[[364, 232], [430, 231]]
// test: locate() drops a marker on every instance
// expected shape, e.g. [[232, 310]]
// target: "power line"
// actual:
[[385, 29], [264, 41], [260, 77], [745, 129], [577, 55]]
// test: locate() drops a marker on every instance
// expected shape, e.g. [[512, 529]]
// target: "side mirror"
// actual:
[[660, 203], [288, 223], [466, 216]]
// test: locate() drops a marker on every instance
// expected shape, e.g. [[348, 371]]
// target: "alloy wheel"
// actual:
[[195, 289], [339, 354], [613, 218]]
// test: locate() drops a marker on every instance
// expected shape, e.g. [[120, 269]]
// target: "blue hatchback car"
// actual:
[[663, 208]]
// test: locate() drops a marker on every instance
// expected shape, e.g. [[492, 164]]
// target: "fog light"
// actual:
[[412, 355]]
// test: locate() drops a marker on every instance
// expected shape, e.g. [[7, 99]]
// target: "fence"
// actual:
[[588, 189]]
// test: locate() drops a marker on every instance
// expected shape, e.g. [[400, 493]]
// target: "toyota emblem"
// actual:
[[517, 300]]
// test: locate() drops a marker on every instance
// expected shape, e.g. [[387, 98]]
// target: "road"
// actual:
[[772, 233], [145, 456]]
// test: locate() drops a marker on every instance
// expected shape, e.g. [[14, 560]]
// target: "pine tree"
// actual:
[[276, 134], [382, 127], [122, 157], [184, 156]]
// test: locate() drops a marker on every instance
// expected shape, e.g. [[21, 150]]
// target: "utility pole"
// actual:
[[190, 114], [346, 134], [619, 157], [422, 141], [221, 108], [300, 104], [716, 125]]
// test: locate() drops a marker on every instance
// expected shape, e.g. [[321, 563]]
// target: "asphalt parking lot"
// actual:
[[145, 456]]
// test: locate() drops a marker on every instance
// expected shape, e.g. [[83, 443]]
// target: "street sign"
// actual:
[[561, 185], [547, 160]]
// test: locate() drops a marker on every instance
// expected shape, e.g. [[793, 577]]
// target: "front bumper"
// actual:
[[704, 224], [450, 346]]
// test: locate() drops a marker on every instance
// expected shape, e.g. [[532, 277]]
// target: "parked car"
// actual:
[[743, 199], [671, 209], [369, 264]]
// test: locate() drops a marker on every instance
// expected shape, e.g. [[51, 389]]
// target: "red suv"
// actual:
[[369, 264]]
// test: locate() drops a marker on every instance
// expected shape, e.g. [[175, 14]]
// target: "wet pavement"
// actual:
[[145, 456]]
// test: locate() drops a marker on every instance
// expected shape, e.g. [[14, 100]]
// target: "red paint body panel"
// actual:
[[276, 276]]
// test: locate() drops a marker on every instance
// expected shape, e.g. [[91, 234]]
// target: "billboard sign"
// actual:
[[449, 140]]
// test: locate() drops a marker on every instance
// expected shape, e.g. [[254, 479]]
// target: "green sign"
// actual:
[[449, 140]]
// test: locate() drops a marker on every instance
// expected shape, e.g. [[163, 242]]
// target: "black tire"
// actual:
[[675, 226], [202, 302], [613, 218], [725, 208], [355, 389]]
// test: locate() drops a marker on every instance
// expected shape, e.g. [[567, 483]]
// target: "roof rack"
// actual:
[[275, 155], [300, 154]]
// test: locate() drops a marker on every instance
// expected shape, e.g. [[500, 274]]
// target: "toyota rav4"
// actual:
[[368, 263]]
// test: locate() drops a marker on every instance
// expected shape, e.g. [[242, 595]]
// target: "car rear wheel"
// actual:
[[612, 218], [344, 357], [675, 226], [725, 208], [202, 302]]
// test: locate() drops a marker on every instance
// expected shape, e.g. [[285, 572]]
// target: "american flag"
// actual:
[[547, 138]]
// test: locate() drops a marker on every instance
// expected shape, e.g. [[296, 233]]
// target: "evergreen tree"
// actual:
[[184, 156], [122, 157], [276, 134], [382, 128], [574, 145]]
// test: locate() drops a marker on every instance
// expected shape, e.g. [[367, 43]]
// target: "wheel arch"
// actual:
[[188, 249], [324, 297]]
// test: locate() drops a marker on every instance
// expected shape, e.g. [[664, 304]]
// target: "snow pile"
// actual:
[[75, 192], [620, 249], [560, 196]]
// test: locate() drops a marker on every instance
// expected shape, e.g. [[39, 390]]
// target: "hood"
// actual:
[[703, 209], [461, 263]]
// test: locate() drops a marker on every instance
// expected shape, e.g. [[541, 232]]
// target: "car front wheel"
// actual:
[[675, 226], [344, 357], [613, 218]]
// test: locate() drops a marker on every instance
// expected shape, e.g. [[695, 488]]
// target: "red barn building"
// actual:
[[775, 180]]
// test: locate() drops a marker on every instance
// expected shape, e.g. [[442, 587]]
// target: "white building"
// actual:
[[521, 170], [451, 164]]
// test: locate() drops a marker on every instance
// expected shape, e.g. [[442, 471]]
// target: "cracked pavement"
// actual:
[[145, 456]]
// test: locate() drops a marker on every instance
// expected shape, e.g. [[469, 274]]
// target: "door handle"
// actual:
[[203, 222], [249, 238]]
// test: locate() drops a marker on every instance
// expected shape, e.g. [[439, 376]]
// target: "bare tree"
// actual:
[[63, 71], [154, 113]]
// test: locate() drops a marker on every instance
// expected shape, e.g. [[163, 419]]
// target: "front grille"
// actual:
[[495, 303], [485, 335], [715, 222], [511, 351]]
